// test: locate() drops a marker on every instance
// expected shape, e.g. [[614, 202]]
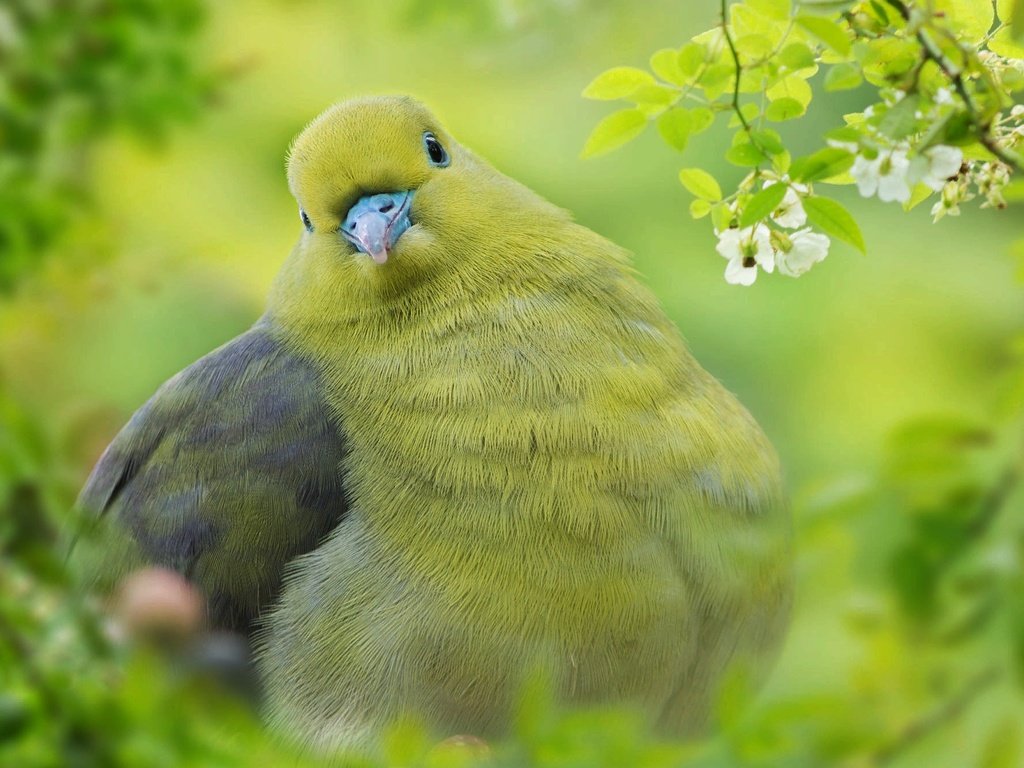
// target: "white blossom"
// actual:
[[935, 166], [807, 248], [944, 96], [746, 250], [886, 175], [790, 213]]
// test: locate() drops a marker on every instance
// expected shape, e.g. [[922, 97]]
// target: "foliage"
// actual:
[[70, 74], [943, 118], [937, 611]]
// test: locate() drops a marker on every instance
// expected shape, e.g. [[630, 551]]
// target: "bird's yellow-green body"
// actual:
[[541, 474], [538, 475]]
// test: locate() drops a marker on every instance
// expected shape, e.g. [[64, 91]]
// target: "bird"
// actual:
[[463, 448]]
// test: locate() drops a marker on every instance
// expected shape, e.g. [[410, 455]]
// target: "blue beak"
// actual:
[[375, 222]]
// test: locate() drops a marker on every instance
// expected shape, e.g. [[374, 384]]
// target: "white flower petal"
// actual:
[[729, 244], [790, 214], [866, 172], [893, 184], [737, 274], [808, 249], [943, 163]]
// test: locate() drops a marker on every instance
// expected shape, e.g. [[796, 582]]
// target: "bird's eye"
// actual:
[[305, 220], [437, 154]]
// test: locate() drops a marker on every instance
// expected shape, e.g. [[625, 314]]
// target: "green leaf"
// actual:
[[1005, 44], [797, 56], [888, 58], [700, 208], [833, 219], [1017, 21], [753, 47], [823, 164], [770, 141], [784, 109], [973, 17], [745, 155], [721, 216], [617, 83], [665, 64], [690, 59], [675, 127], [901, 120], [701, 184], [792, 87], [843, 77], [773, 9], [654, 95], [920, 193], [830, 33], [762, 204], [613, 131], [701, 119], [880, 11], [717, 79], [750, 112]]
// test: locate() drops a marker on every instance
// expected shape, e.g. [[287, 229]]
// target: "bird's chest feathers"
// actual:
[[506, 424]]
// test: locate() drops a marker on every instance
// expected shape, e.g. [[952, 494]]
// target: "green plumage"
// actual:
[[537, 475]]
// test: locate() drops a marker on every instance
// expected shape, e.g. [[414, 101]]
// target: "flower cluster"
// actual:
[[892, 174], [760, 245]]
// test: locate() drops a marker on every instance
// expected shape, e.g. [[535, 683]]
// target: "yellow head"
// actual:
[[390, 202]]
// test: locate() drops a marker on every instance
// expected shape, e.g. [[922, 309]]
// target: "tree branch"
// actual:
[[955, 74]]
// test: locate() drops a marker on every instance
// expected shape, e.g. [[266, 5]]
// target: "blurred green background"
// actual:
[[182, 230]]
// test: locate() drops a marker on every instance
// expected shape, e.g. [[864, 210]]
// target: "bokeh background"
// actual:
[[173, 216]]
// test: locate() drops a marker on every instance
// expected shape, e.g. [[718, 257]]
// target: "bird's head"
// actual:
[[389, 200]]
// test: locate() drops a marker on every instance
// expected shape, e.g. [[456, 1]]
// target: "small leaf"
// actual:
[[797, 56], [792, 87], [690, 59], [830, 33], [700, 208], [762, 204], [665, 64], [920, 193], [701, 119], [973, 17], [823, 164], [784, 109], [654, 95], [701, 184], [1017, 21], [721, 217], [769, 141], [1005, 44], [773, 9], [745, 155], [617, 83], [843, 77], [901, 120], [614, 130], [753, 48], [833, 219], [675, 126]]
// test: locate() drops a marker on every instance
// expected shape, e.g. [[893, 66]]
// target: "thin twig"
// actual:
[[948, 711], [739, 69], [955, 73]]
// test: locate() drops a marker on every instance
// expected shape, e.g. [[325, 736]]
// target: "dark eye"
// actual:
[[435, 151], [305, 220]]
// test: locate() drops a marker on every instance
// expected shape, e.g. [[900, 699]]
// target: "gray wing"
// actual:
[[230, 471]]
